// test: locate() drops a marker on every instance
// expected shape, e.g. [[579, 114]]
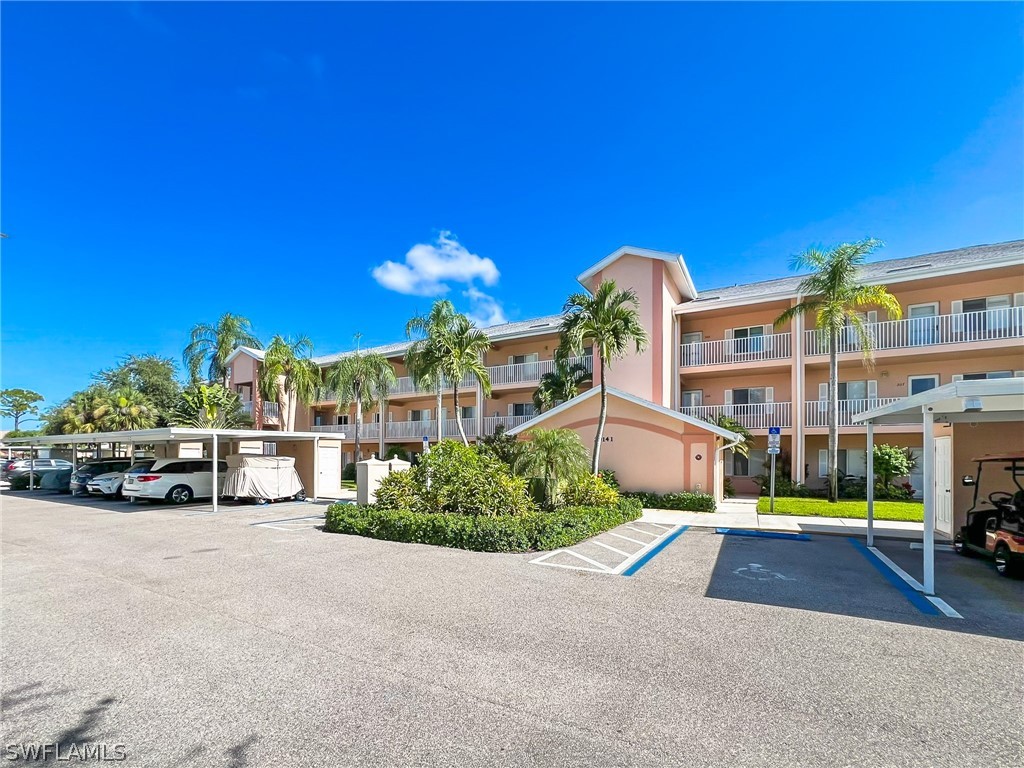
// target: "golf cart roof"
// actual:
[[1001, 457]]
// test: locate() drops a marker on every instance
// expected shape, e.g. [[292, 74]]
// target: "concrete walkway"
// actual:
[[742, 513]]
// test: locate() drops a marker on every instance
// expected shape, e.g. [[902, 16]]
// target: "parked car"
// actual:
[[176, 480], [89, 469], [995, 524], [19, 467], [57, 480], [109, 484]]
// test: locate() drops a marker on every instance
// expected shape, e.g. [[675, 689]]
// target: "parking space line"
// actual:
[[626, 538], [542, 560], [938, 602], [289, 520], [898, 578], [645, 533], [629, 568], [763, 534], [613, 549]]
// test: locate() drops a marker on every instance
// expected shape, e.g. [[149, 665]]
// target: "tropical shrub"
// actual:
[[348, 473], [588, 491], [608, 475], [461, 481], [683, 500], [531, 530], [557, 457], [504, 447], [396, 452]]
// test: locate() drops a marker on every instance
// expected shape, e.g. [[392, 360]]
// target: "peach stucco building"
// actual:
[[718, 351]]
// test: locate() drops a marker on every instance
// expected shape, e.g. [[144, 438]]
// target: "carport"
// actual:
[[322, 480], [974, 404]]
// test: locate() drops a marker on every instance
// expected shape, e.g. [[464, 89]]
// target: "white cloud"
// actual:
[[485, 310], [429, 267]]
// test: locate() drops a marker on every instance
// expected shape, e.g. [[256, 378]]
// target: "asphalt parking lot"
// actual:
[[250, 637]]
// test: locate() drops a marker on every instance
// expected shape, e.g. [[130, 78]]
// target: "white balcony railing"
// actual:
[[509, 422], [816, 411], [518, 373], [403, 386], [965, 327], [774, 346], [751, 416], [270, 410]]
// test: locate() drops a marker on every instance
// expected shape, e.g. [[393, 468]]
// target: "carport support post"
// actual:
[[74, 456], [316, 466], [929, 501], [216, 466], [871, 484]]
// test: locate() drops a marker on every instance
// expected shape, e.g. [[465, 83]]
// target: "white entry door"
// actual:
[[943, 486], [329, 460]]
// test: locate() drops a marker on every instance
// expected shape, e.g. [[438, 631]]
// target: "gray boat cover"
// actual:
[[261, 477]]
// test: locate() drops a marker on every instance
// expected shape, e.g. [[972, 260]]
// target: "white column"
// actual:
[[929, 502], [216, 466], [871, 484], [316, 466]]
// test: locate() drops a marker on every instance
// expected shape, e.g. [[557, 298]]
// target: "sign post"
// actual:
[[774, 442]]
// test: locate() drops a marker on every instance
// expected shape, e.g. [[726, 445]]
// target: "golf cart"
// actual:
[[262, 479], [995, 523]]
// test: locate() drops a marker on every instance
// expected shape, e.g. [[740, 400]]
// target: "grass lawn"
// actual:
[[350, 484], [910, 511]]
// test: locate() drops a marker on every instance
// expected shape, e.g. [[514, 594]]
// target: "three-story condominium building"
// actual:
[[720, 352]]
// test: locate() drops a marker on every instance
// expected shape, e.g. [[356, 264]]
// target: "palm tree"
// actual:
[[353, 378], [728, 422], [424, 355], [124, 408], [834, 295], [288, 376], [462, 351], [556, 455], [383, 381], [561, 384], [213, 406], [77, 415], [213, 344], [608, 320]]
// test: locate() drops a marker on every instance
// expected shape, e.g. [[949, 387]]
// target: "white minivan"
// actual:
[[177, 480]]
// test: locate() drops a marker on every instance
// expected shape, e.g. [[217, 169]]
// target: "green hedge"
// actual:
[[482, 533], [684, 500]]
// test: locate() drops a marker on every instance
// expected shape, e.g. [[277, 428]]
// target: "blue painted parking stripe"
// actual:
[[916, 598], [654, 550], [763, 534]]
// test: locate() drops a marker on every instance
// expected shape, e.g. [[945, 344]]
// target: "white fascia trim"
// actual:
[[956, 390], [699, 423], [902, 277], [675, 260], [255, 354]]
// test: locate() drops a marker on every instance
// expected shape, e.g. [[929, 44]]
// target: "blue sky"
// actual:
[[165, 163]]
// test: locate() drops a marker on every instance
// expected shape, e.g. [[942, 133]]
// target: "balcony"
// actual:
[[816, 411], [774, 346], [270, 410], [530, 373], [404, 386], [916, 332], [405, 431], [751, 416]]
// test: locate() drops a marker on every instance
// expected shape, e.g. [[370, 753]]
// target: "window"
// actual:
[[853, 463], [924, 327], [852, 390], [420, 415], [533, 357], [747, 466], [750, 339], [918, 384], [468, 411], [984, 376], [343, 418], [692, 398], [986, 317], [749, 395], [522, 409]]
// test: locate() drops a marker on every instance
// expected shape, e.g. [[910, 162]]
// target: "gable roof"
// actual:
[[890, 270], [676, 267], [732, 437], [256, 354]]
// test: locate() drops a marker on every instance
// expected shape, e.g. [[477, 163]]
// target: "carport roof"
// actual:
[[732, 437], [971, 401], [164, 435]]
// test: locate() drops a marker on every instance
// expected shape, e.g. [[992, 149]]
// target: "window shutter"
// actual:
[[872, 389], [767, 330], [872, 316], [823, 462], [769, 394], [411, 415], [958, 316], [823, 391], [510, 359], [957, 377], [511, 409], [728, 333], [1018, 299], [728, 397], [958, 307], [698, 397], [856, 463], [391, 415]]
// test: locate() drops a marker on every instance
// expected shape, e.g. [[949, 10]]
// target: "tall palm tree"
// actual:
[[288, 376], [383, 381], [462, 352], [835, 296], [353, 378], [124, 408], [213, 345], [609, 320], [77, 415], [555, 455], [423, 356], [561, 384]]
